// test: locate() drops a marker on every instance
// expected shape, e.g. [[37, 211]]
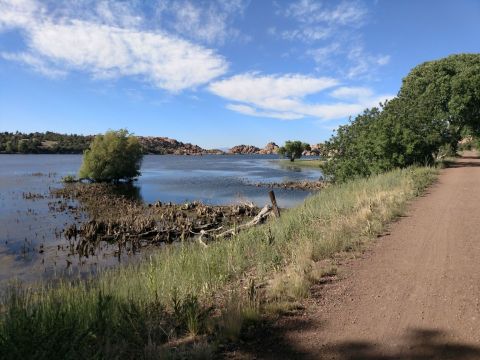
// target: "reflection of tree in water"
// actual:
[[293, 168], [128, 190]]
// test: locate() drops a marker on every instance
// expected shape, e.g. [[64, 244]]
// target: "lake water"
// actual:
[[30, 243]]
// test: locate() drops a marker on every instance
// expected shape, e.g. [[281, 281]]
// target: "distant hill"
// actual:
[[54, 143]]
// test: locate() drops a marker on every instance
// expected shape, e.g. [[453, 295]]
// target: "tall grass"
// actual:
[[189, 290]]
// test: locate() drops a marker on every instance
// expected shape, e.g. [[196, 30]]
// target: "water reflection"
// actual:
[[130, 191]]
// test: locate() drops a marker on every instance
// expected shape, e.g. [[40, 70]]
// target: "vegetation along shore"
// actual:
[[195, 298], [188, 297]]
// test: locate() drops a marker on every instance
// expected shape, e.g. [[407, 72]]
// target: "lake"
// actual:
[[31, 245]]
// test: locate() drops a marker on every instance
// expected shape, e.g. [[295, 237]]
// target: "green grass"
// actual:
[[317, 163], [193, 292]]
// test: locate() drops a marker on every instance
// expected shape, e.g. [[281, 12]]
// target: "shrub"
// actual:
[[112, 157], [68, 179]]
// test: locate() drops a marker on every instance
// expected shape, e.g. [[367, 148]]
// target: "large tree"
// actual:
[[112, 157], [436, 102]]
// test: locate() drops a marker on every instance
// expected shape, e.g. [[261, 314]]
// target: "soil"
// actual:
[[415, 294]]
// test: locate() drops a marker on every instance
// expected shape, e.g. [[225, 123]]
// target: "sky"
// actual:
[[216, 73]]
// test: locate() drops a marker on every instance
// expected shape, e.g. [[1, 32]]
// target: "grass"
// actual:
[[191, 292], [317, 163]]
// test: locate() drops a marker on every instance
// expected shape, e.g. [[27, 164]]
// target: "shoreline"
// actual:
[[207, 295]]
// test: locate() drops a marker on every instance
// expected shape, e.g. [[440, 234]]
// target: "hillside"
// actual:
[[54, 143]]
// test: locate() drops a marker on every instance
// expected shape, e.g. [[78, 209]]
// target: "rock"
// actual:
[[270, 148], [315, 150], [165, 145], [244, 149]]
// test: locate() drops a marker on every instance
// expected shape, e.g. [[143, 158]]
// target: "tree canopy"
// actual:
[[114, 156], [293, 149], [438, 100]]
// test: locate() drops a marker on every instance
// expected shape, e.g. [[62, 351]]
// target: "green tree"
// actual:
[[438, 100], [23, 146], [114, 156], [9, 147], [293, 149]]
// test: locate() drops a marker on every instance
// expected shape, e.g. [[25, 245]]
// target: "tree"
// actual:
[[23, 146], [293, 149], [438, 100], [114, 156], [9, 147]]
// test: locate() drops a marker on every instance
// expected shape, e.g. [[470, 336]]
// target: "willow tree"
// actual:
[[112, 157]]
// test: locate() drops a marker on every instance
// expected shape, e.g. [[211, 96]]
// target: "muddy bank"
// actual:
[[120, 219]]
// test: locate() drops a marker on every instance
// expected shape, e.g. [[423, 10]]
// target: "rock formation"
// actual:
[[244, 149], [270, 148]]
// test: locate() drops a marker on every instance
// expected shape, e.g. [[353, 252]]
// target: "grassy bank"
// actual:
[[192, 296], [317, 163]]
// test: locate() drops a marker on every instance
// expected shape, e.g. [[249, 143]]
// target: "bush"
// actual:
[[112, 157], [69, 179]]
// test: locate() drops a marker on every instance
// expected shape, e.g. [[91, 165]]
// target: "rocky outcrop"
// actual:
[[244, 149], [315, 150], [270, 148], [165, 145]]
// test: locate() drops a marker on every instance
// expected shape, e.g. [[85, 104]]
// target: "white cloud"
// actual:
[[334, 26], [55, 46], [317, 21], [311, 11], [283, 96], [18, 13], [346, 92], [363, 63], [311, 33], [323, 55], [251, 111], [262, 89], [349, 61], [116, 13], [383, 60], [206, 21], [36, 63]]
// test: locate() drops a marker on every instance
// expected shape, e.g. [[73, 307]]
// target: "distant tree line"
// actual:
[[54, 143], [43, 143]]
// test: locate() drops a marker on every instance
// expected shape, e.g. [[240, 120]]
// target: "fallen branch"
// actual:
[[262, 215]]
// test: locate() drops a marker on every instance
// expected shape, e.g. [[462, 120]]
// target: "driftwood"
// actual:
[[262, 215], [118, 219]]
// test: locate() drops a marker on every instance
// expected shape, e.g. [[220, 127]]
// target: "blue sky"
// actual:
[[216, 73]]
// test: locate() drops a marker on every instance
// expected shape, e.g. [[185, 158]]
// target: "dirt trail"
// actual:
[[414, 295]]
